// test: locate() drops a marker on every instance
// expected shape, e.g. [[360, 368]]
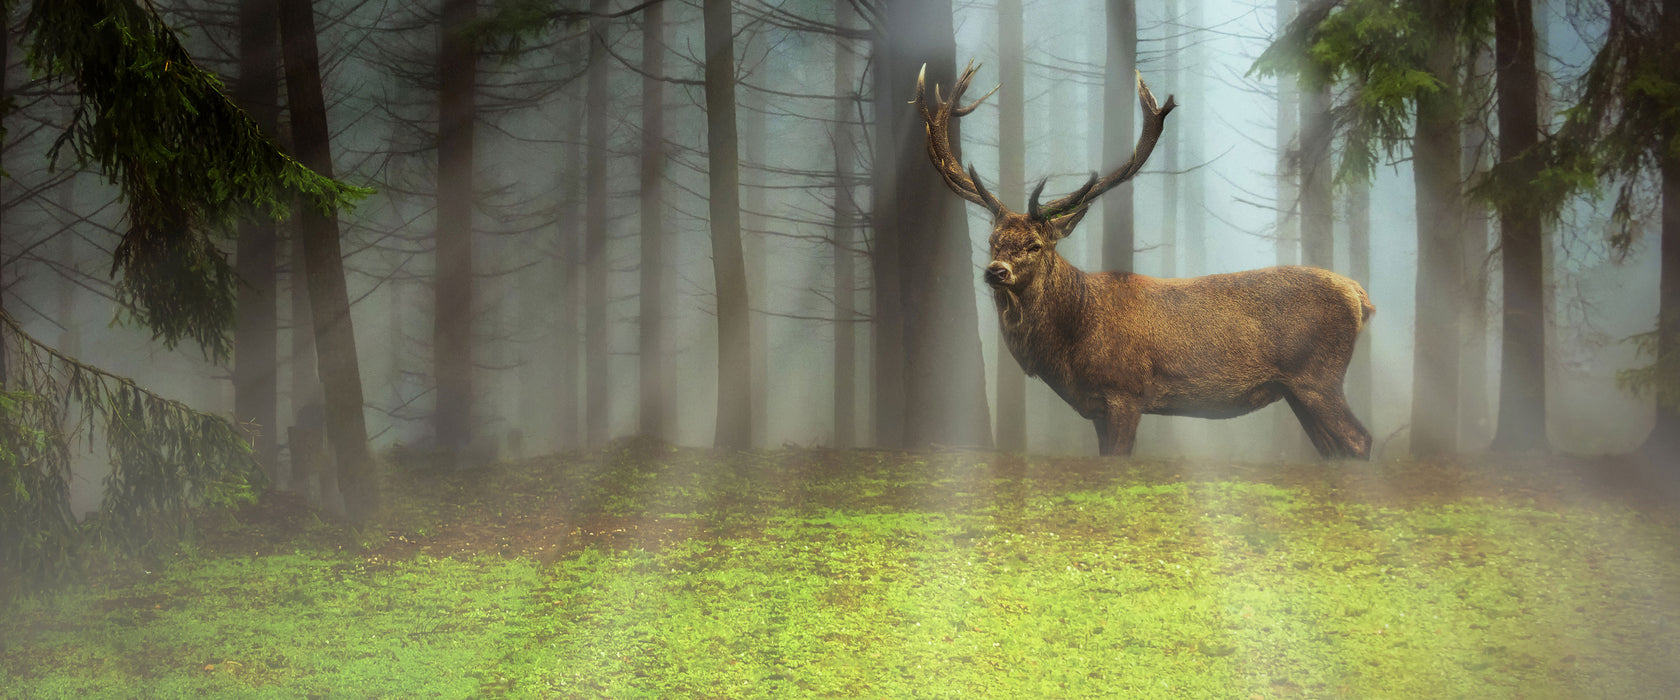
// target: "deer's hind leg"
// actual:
[[1330, 423]]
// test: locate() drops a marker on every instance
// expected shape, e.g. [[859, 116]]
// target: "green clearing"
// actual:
[[644, 571]]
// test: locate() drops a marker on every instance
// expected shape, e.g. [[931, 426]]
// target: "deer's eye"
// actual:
[[1034, 247]]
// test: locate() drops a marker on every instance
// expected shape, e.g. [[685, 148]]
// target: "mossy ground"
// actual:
[[644, 570]]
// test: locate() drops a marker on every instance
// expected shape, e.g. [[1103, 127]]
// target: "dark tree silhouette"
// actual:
[[329, 300], [734, 404]]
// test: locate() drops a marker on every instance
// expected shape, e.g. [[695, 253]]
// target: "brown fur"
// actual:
[[1116, 345]]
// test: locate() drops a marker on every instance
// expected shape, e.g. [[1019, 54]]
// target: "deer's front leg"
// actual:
[[1117, 431]]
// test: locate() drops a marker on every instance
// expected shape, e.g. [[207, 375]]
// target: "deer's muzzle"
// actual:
[[999, 273]]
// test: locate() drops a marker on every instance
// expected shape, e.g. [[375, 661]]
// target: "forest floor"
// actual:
[[646, 570]]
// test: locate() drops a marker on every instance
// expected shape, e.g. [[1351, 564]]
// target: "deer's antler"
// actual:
[[938, 119], [1154, 121]]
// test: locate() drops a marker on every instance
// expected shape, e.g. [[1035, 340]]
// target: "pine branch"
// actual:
[[188, 161]]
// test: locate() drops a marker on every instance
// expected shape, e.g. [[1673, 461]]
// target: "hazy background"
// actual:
[[59, 225]]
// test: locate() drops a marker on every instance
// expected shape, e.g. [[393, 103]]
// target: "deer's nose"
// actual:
[[999, 273]]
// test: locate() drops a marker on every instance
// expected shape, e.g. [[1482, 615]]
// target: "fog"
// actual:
[[60, 227]]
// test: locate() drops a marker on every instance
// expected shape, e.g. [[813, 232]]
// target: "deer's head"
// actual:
[[1023, 245]]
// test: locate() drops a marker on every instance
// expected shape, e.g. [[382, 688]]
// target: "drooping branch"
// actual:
[[188, 161], [165, 458]]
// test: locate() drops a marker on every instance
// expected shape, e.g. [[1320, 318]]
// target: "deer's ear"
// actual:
[[1063, 225]]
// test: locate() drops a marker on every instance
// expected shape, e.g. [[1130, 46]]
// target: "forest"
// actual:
[[649, 348]]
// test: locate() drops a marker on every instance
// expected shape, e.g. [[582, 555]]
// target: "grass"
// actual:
[[647, 571]]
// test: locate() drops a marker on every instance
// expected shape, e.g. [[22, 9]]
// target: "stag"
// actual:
[[1116, 345]]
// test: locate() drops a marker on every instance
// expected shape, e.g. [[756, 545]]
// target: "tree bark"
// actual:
[[1664, 442], [655, 416], [753, 198], [1012, 176], [885, 231], [1474, 423], [1318, 247], [329, 299], [255, 340], [597, 357], [1359, 377], [1119, 101], [1522, 382], [1167, 150], [734, 395], [944, 376], [1440, 221], [845, 239], [452, 326], [1192, 126], [569, 349]]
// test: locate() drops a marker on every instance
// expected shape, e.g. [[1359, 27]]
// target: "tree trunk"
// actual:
[[1664, 442], [452, 326], [1012, 176], [885, 231], [1473, 313], [845, 239], [597, 357], [1440, 221], [753, 253], [655, 417], [945, 378], [734, 406], [1119, 101], [1522, 382], [569, 270], [1195, 134], [1359, 375], [1167, 150], [328, 297], [1318, 247], [255, 340]]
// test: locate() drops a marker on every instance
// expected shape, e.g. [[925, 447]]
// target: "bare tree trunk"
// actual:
[[255, 340], [569, 270], [1473, 313], [1664, 442], [1195, 134], [753, 253], [1440, 222], [1167, 150], [597, 358], [734, 406], [1012, 176], [1359, 377], [452, 326], [845, 239], [329, 299], [1318, 248], [944, 378], [1119, 101], [1522, 384], [885, 231], [655, 419]]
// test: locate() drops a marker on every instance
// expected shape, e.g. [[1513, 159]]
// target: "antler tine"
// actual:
[[937, 119], [1051, 212], [1033, 210], [1154, 122]]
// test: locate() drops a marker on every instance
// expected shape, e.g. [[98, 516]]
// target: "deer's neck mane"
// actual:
[[1039, 320]]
